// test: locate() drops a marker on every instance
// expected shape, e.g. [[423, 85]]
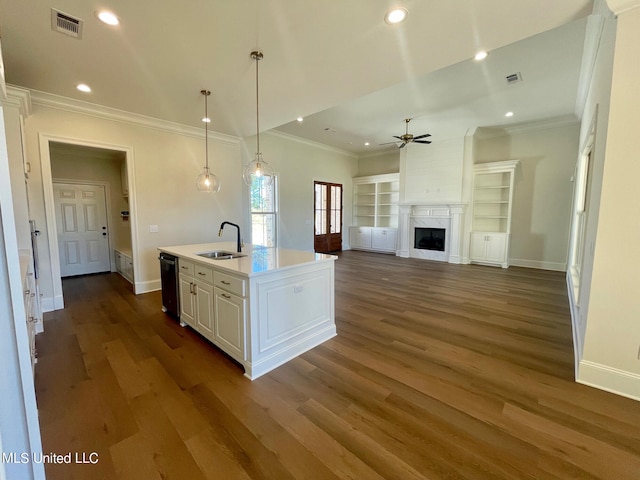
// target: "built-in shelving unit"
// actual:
[[492, 205], [375, 212]]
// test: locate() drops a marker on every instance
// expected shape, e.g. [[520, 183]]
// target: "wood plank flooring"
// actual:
[[438, 372]]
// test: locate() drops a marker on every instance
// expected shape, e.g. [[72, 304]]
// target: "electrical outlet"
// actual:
[[298, 288], [153, 228]]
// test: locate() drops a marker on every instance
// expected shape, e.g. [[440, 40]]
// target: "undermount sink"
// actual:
[[220, 255]]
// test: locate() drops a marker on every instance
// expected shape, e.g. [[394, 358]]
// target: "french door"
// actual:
[[328, 217]]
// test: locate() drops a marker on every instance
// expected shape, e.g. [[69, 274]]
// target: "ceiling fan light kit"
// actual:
[[408, 137]]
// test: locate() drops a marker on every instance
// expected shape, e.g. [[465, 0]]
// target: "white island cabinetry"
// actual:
[[263, 308]]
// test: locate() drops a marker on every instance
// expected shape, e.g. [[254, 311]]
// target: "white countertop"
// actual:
[[258, 260]]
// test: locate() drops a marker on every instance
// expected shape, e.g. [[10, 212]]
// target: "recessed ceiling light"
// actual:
[[481, 55], [366, 144], [83, 87], [107, 17], [508, 114], [206, 120], [300, 119], [397, 15]]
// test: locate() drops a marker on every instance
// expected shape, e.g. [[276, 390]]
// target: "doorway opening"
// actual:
[[328, 217], [88, 203]]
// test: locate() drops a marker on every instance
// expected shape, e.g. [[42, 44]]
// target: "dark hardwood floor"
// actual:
[[438, 371]]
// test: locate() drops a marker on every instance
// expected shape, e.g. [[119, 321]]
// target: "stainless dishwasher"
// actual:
[[169, 280]]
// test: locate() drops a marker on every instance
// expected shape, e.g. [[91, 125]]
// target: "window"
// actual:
[[263, 212]]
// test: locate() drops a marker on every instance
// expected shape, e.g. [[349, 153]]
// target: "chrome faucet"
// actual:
[[233, 225]]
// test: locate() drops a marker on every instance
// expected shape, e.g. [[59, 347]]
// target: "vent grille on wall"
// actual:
[[63, 23], [513, 78]]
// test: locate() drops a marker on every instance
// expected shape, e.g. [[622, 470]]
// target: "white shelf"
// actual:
[[491, 219]]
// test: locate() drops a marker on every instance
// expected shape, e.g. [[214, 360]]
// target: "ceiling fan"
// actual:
[[409, 138]]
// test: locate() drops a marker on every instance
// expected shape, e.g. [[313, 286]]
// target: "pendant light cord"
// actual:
[[206, 94], [257, 56]]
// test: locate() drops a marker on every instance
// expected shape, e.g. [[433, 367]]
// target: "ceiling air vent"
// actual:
[[513, 78], [63, 23]]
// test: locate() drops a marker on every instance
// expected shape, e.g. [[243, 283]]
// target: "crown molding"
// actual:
[[57, 102], [501, 131], [622, 6], [311, 143], [19, 98]]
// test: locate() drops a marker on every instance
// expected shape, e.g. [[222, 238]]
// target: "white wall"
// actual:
[[432, 174], [164, 164], [612, 335], [378, 164], [298, 163], [543, 190]]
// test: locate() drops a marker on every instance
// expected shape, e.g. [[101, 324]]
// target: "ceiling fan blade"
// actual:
[[395, 136], [403, 145], [422, 136], [422, 141], [388, 143]]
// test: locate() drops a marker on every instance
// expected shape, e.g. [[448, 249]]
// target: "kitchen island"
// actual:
[[262, 308]]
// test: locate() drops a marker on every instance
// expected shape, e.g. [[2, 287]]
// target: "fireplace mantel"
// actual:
[[447, 216]]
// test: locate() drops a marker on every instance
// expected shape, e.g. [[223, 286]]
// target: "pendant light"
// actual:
[[257, 168], [207, 181]]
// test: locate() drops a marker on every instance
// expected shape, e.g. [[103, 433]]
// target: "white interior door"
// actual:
[[81, 222]]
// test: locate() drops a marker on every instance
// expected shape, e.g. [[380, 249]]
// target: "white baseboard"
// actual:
[[609, 379], [282, 355], [146, 287], [49, 304], [520, 262]]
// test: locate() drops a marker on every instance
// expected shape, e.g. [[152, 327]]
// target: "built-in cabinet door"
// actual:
[[230, 319], [489, 248], [478, 246], [360, 237], [496, 248], [384, 239], [203, 293], [187, 304]]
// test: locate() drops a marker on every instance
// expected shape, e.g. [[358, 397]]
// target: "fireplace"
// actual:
[[429, 238], [431, 232]]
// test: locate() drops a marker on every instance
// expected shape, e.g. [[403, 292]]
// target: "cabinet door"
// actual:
[[187, 307], [384, 239], [360, 237], [478, 246], [230, 319], [497, 248], [204, 308]]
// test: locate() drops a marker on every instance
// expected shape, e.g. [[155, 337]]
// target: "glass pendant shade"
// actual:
[[207, 181], [258, 168]]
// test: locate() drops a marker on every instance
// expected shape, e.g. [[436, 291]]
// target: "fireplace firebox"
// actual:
[[429, 239]]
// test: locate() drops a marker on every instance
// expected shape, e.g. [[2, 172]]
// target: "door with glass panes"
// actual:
[[328, 217]]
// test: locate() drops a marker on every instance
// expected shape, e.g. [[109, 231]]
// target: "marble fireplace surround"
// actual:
[[447, 216]]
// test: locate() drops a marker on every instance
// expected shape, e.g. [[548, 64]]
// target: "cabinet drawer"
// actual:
[[203, 273], [185, 267], [229, 283]]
